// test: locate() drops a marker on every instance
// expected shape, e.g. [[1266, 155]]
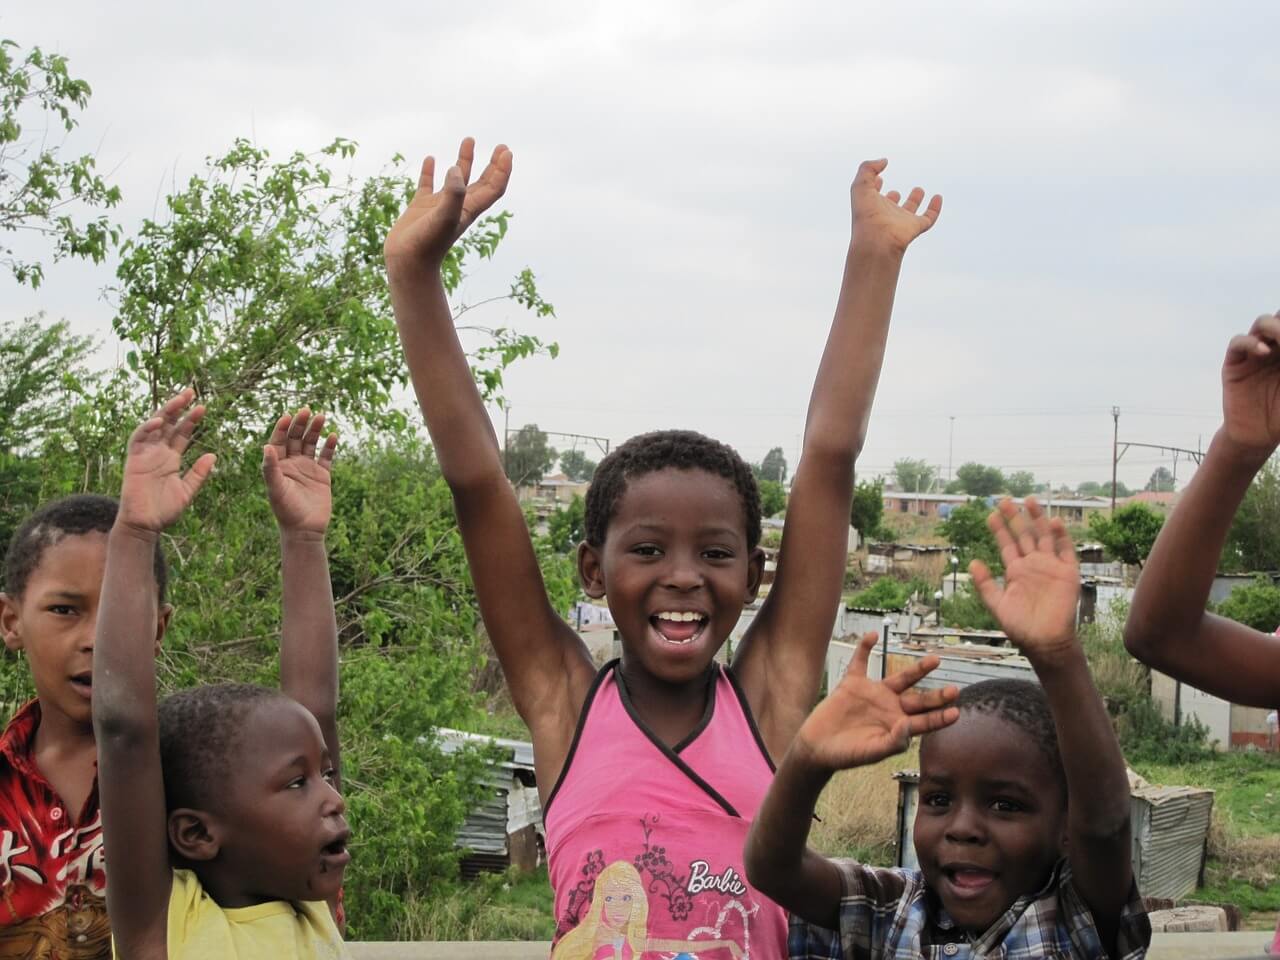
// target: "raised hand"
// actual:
[[863, 721], [155, 491], [298, 480], [1037, 605], [886, 218], [1251, 387], [434, 220]]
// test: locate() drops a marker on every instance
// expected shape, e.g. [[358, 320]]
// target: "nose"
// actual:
[[88, 631], [684, 572], [966, 825], [334, 805]]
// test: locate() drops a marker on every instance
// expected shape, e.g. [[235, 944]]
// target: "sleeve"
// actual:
[[871, 915], [1133, 935]]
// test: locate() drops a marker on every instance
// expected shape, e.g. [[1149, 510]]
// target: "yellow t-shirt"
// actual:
[[199, 929]]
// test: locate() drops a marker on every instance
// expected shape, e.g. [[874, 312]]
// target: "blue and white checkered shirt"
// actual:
[[892, 914]]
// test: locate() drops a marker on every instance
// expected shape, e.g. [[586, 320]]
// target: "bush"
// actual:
[[966, 529], [889, 594], [1256, 605], [965, 609]]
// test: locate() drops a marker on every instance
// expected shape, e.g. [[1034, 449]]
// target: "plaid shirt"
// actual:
[[893, 914]]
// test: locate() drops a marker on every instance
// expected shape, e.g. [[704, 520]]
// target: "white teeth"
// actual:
[[679, 616]]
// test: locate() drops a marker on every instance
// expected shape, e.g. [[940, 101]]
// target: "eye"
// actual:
[[936, 800], [297, 783], [717, 553], [1005, 805], [608, 898], [330, 776], [627, 898], [646, 550], [62, 609]]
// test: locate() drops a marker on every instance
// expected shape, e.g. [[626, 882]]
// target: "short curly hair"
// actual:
[[70, 516], [201, 729], [1023, 704], [661, 450]]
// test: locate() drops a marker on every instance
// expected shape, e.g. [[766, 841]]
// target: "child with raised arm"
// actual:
[[220, 806], [1022, 827], [651, 769], [1168, 626]]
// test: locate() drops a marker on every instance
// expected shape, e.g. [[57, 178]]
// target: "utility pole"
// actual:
[[951, 446], [1115, 455]]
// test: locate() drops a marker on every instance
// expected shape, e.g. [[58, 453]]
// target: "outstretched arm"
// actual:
[[1168, 626], [1037, 609], [861, 722], [297, 467], [780, 661], [130, 784], [546, 665]]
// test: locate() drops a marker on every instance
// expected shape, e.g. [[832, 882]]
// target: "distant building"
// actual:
[[1164, 500], [1075, 510], [556, 490]]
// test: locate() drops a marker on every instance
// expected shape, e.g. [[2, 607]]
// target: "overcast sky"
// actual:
[[1110, 174]]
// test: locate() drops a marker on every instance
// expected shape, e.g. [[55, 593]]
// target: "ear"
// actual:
[[194, 834], [755, 573], [590, 571], [9, 620], [162, 623]]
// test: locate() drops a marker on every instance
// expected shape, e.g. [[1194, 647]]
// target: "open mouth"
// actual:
[[969, 881], [334, 855], [82, 683], [679, 627]]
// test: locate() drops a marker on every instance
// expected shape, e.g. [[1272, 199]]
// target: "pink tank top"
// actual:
[[644, 842]]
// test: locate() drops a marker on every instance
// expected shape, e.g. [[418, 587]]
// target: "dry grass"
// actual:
[[1251, 859], [859, 811]]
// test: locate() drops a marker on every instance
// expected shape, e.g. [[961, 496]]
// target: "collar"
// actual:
[[995, 934], [18, 739]]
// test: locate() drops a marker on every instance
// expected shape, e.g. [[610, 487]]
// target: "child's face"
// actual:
[[283, 827], [54, 620], [991, 818], [676, 548]]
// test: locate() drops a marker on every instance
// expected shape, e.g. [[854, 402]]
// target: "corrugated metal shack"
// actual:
[[962, 663], [1169, 826], [506, 829]]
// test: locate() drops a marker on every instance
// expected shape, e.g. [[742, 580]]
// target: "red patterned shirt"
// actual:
[[52, 871]]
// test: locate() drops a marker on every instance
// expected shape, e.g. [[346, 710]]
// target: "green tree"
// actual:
[[979, 480], [774, 466], [913, 476], [1129, 534], [1102, 488], [566, 528], [1256, 605], [773, 498], [966, 529], [866, 513], [965, 609], [528, 456], [1020, 483], [576, 466], [41, 190], [1161, 481], [1253, 542]]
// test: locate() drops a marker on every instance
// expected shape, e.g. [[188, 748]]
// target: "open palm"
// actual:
[[863, 721], [886, 218], [298, 481], [1251, 386], [1037, 605], [155, 491], [434, 220]]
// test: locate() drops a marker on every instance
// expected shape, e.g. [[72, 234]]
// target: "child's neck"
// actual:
[[670, 710], [66, 754]]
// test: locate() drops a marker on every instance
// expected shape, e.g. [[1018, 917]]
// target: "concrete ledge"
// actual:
[[1164, 946]]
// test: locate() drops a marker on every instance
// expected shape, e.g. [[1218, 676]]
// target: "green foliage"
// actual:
[[866, 512], [1161, 481], [913, 476], [576, 466], [979, 480], [1102, 488], [1253, 542], [510, 906], [965, 609], [1020, 483], [888, 593], [41, 190], [527, 455], [1256, 605], [566, 528], [966, 529], [1129, 534], [773, 498], [773, 467]]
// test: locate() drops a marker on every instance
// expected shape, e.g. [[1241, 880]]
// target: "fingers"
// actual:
[[922, 701], [312, 436], [932, 212], [868, 174], [1063, 548], [484, 193], [327, 451], [1267, 327], [427, 176], [297, 431], [908, 677], [922, 723], [997, 523], [1040, 526], [466, 157], [198, 474], [1245, 346], [913, 200], [280, 432], [893, 196], [858, 665], [985, 584], [1020, 525]]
